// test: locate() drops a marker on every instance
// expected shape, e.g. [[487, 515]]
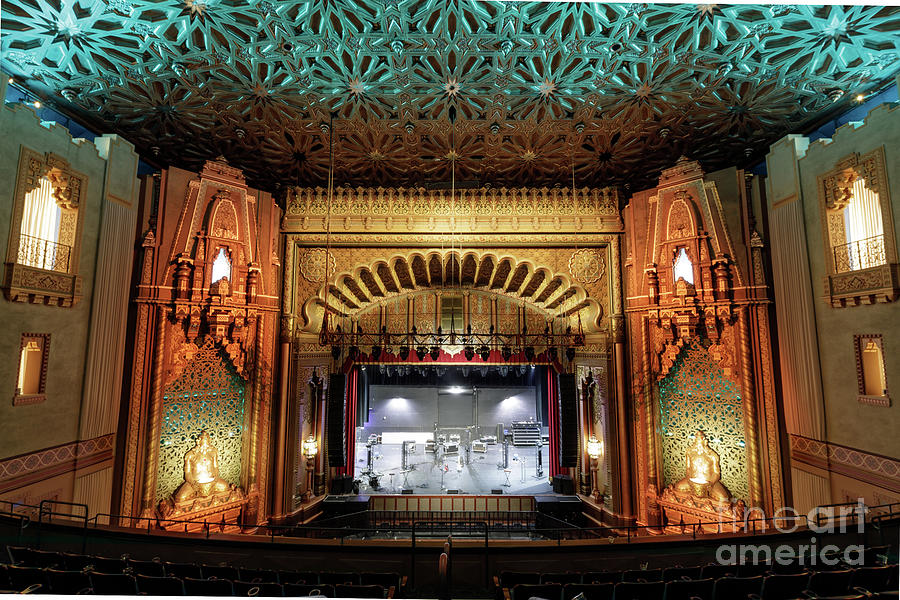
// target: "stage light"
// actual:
[[469, 352], [421, 351], [860, 97], [485, 353], [506, 352], [570, 353], [456, 390], [352, 352], [552, 353], [376, 352], [37, 103], [529, 353], [335, 352], [435, 353], [404, 352]]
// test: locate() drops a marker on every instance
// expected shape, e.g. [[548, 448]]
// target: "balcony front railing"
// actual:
[[861, 254], [43, 254]]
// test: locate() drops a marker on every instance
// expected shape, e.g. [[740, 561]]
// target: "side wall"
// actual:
[[840, 448], [62, 448]]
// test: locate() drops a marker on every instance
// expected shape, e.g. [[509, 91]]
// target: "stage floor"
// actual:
[[434, 473]]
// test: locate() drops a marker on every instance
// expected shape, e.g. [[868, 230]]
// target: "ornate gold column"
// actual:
[[653, 515], [750, 422], [624, 448], [280, 450], [153, 427]]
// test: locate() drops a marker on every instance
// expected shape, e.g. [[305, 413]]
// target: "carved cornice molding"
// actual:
[[486, 210]]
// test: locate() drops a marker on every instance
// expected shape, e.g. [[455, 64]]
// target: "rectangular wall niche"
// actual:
[[31, 378], [870, 375]]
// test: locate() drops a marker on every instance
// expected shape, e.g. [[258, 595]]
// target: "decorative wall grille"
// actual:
[[208, 394], [696, 395]]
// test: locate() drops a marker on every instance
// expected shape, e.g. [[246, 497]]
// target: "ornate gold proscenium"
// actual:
[[703, 472]]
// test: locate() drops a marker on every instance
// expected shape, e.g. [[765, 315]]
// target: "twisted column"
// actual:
[[749, 402]]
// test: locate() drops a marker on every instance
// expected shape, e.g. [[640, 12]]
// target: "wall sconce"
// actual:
[[310, 447], [594, 448]]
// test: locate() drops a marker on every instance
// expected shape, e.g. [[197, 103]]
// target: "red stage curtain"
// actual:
[[553, 416], [352, 398]]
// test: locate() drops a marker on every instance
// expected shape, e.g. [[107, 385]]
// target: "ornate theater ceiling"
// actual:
[[512, 90]]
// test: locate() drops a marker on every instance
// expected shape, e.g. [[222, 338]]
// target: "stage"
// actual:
[[439, 471]]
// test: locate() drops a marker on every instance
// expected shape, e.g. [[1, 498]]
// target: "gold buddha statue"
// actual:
[[201, 472], [703, 472]]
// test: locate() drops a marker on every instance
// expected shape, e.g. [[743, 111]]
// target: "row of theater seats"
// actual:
[[66, 573], [779, 581]]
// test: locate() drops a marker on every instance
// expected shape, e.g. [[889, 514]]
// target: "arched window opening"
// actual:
[[683, 268], [221, 266], [863, 229], [39, 245]]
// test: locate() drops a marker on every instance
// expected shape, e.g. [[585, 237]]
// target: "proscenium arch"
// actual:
[[355, 291]]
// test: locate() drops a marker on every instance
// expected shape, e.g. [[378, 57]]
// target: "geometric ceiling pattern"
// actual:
[[512, 93]]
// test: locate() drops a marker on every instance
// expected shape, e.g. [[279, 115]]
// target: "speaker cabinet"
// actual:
[[336, 420], [497, 492], [568, 421]]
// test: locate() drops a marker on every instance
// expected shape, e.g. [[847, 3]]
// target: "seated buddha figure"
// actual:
[[201, 471], [703, 472]]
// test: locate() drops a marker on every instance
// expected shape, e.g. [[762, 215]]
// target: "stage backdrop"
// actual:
[[411, 408]]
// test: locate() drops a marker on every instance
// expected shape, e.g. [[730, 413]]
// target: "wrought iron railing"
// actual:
[[43, 254], [861, 254]]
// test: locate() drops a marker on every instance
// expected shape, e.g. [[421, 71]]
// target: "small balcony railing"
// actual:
[[43, 254], [861, 254]]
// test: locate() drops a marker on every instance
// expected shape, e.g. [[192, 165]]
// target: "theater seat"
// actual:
[[296, 590], [208, 587], [673, 573], [152, 568], [642, 575], [358, 591], [524, 591], [340, 578], [159, 586], [736, 588], [875, 579], [561, 578], [266, 590], [182, 570], [784, 587], [113, 584], [639, 590], [826, 583], [22, 577], [68, 582], [590, 591], [689, 589]]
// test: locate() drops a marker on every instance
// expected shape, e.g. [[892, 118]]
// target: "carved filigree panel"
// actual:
[[696, 395], [207, 395]]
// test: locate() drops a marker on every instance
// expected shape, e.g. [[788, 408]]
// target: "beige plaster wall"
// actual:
[[87, 339], [847, 422], [24, 429]]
